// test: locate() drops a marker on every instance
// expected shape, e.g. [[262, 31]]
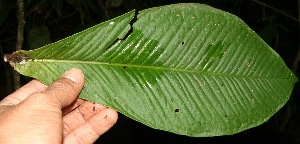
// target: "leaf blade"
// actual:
[[187, 72]]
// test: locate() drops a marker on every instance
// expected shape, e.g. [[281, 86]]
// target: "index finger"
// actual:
[[19, 95]]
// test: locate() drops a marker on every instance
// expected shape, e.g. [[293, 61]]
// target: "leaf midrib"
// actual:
[[156, 68]]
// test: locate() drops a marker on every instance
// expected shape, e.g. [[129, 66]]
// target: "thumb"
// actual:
[[66, 89]]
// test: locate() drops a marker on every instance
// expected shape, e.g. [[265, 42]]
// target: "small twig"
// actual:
[[20, 38], [277, 10], [21, 24]]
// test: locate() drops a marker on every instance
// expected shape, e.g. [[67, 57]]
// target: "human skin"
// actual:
[[54, 114]]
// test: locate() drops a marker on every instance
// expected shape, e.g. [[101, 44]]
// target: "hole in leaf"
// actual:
[[131, 29], [116, 40], [177, 110], [182, 43], [125, 67]]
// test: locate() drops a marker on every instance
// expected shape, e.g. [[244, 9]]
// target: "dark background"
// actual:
[[51, 20]]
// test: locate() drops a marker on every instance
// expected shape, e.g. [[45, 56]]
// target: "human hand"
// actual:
[[39, 114]]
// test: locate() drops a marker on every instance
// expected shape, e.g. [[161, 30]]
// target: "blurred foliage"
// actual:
[[38, 36], [66, 17]]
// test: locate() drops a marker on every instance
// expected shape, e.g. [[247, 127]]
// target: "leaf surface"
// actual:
[[186, 68]]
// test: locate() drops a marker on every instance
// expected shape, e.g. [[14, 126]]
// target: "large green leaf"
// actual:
[[186, 68]]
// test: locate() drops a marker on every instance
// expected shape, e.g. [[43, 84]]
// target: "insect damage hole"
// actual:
[[177, 110], [125, 67]]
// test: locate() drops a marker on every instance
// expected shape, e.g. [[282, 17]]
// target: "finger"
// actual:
[[95, 126], [80, 115], [22, 93], [72, 106], [66, 89]]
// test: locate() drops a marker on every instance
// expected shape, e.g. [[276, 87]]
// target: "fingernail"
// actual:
[[74, 74]]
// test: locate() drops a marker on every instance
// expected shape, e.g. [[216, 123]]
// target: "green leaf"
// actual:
[[189, 69]]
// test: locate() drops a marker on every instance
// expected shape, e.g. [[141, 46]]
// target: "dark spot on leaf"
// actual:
[[177, 110], [172, 100], [182, 43], [94, 109], [222, 84], [125, 67]]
